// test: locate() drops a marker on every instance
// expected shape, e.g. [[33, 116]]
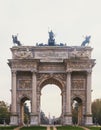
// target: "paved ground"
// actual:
[[85, 128], [18, 128], [48, 128], [54, 128]]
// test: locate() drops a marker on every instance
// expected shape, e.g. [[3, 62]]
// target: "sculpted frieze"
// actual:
[[79, 65], [24, 65], [22, 54], [80, 54]]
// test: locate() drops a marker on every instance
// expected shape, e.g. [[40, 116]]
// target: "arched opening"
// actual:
[[77, 111], [51, 104], [25, 109]]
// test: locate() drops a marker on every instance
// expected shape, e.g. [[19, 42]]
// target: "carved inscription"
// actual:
[[51, 54]]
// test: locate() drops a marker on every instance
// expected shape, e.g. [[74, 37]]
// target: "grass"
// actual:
[[69, 128], [7, 127], [34, 128], [94, 128]]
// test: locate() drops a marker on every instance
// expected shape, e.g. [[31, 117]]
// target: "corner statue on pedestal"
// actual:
[[51, 40], [15, 40], [86, 41]]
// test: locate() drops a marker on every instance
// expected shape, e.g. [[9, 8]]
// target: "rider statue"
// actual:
[[86, 41], [15, 40], [51, 40]]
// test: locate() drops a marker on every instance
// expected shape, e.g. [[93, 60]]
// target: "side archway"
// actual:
[[77, 111], [24, 110]]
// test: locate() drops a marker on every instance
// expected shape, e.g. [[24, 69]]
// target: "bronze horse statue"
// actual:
[[86, 41], [15, 40]]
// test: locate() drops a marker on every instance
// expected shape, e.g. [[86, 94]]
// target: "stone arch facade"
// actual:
[[70, 68]]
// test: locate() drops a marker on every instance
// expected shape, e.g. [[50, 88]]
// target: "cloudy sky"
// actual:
[[70, 20]]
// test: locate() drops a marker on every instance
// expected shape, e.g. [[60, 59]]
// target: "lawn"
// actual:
[[34, 128], [94, 128], [69, 128], [7, 127]]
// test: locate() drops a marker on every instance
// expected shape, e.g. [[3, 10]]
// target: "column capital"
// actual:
[[14, 71], [68, 71], [89, 71], [33, 70]]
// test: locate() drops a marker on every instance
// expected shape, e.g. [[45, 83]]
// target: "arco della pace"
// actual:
[[68, 67]]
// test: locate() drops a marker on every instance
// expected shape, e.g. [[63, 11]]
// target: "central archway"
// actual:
[[52, 82], [51, 103]]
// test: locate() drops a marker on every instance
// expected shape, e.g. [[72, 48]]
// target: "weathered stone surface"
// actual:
[[67, 67]]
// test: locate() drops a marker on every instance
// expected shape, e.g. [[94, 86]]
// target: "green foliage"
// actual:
[[4, 113], [94, 128], [69, 128], [34, 128], [7, 127], [96, 111]]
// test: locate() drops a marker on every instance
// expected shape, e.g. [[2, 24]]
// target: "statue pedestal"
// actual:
[[14, 120], [67, 119], [34, 119]]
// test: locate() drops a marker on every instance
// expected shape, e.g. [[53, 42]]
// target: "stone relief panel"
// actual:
[[80, 53], [78, 81], [24, 65], [24, 80], [22, 54], [79, 65], [78, 84], [24, 84]]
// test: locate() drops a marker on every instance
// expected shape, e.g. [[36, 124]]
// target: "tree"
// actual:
[[4, 113], [96, 111]]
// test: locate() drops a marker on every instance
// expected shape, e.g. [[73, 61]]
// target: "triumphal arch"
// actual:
[[68, 67]]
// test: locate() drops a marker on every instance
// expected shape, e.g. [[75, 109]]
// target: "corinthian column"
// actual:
[[68, 93], [13, 92], [14, 117], [34, 109], [68, 118], [34, 115], [88, 104]]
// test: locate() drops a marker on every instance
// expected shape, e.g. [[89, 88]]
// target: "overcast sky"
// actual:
[[70, 20]]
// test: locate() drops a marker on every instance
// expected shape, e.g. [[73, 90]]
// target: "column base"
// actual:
[[88, 120], [67, 119], [14, 120], [34, 120]]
